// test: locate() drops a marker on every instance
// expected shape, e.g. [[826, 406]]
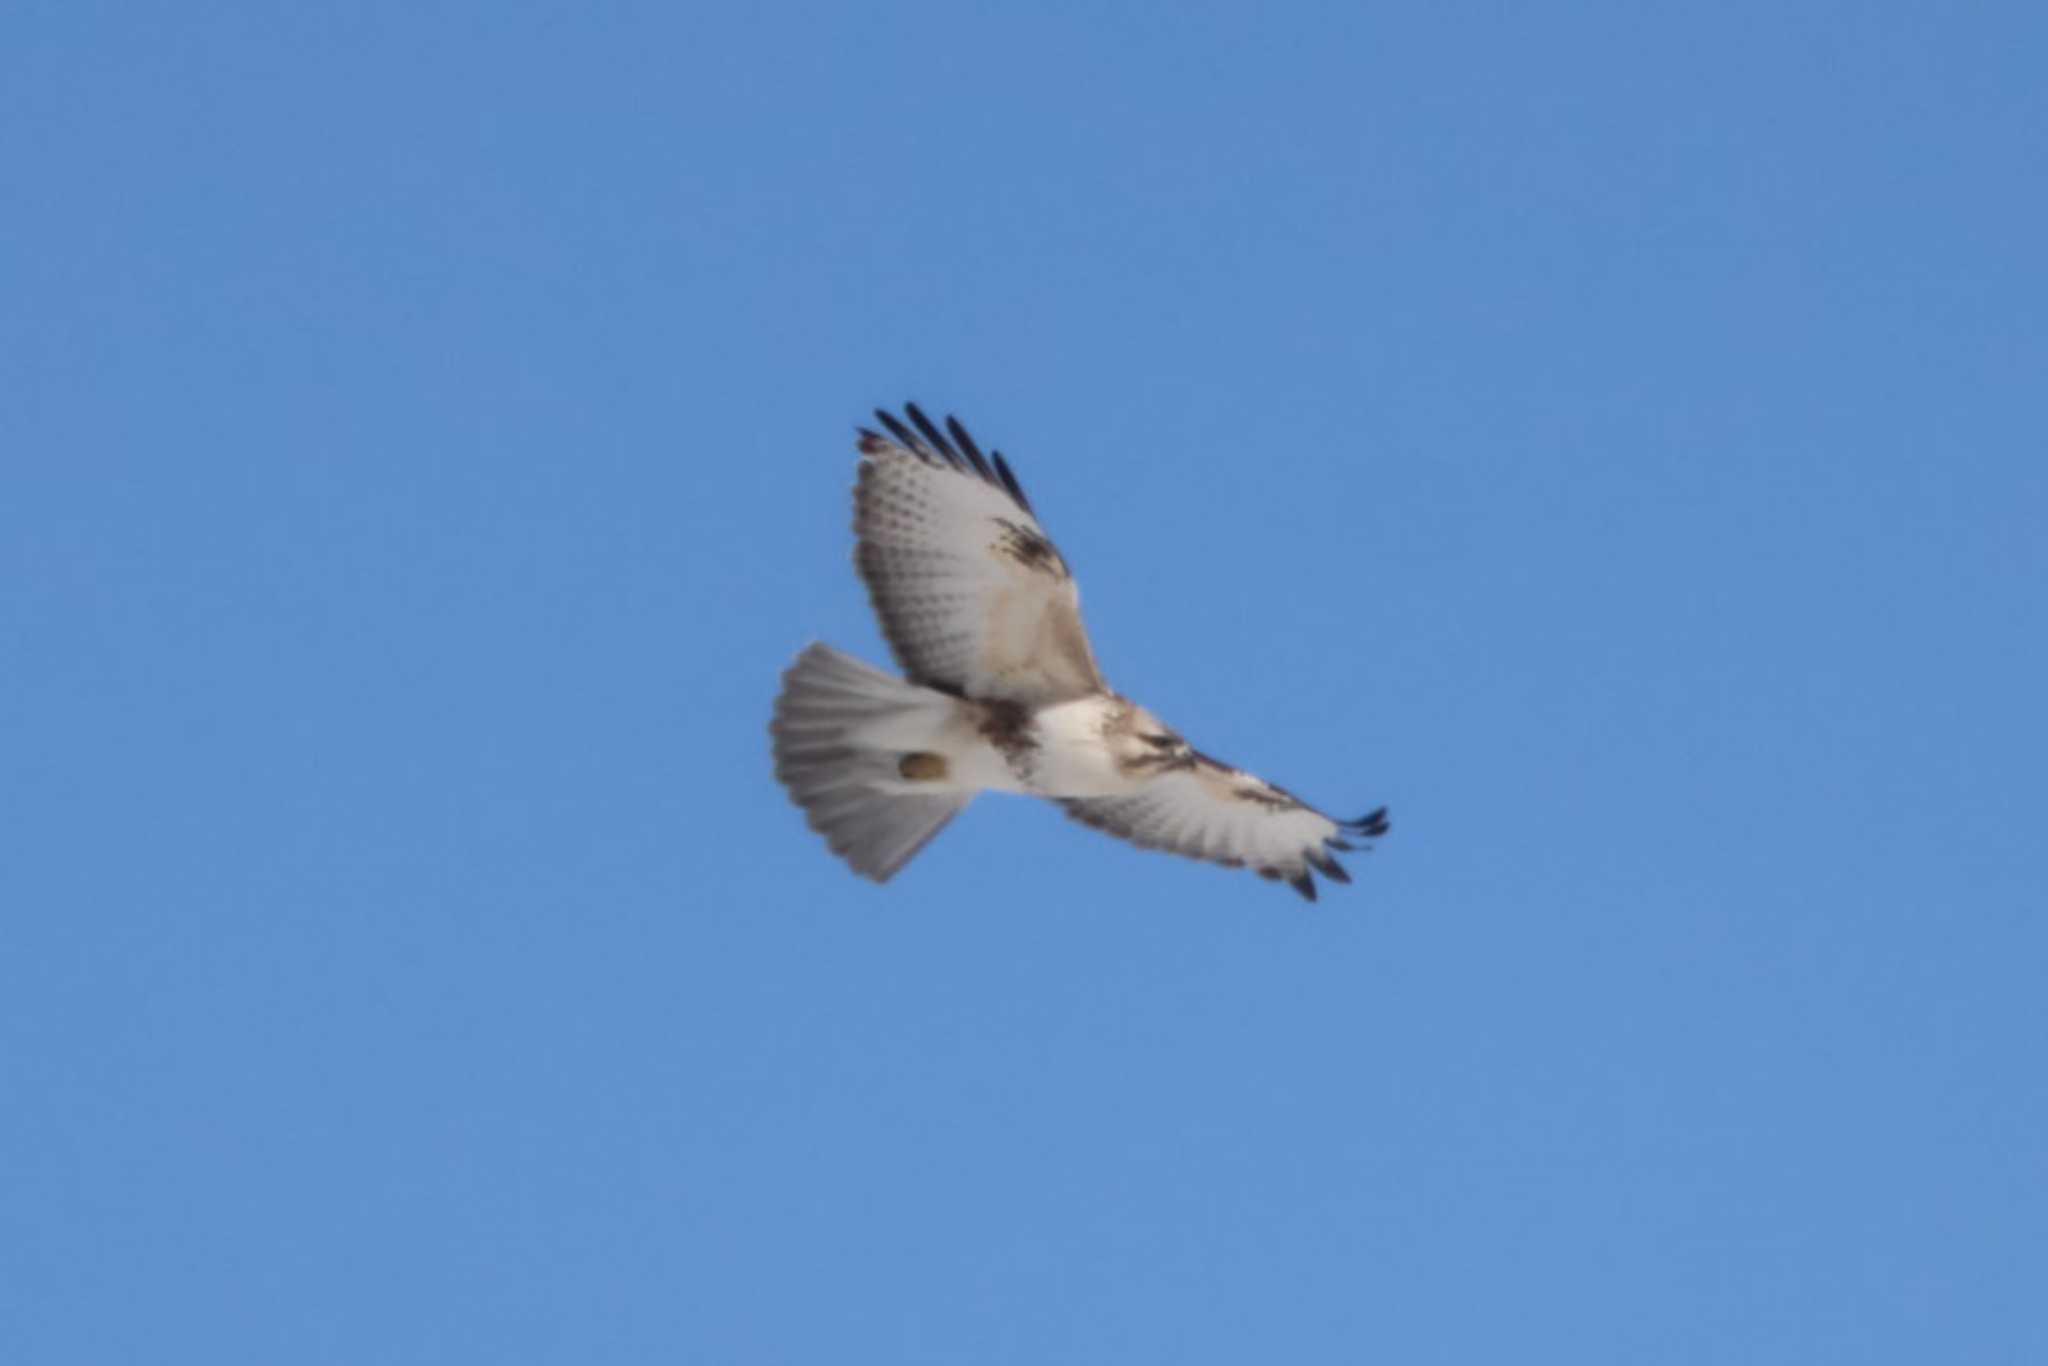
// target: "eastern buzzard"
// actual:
[[1003, 690]]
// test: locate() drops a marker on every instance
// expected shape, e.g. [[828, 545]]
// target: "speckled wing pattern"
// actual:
[[972, 595], [1208, 810]]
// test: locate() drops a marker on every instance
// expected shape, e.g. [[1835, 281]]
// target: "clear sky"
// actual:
[[1610, 435]]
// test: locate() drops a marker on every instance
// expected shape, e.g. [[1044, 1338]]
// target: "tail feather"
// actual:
[[826, 717]]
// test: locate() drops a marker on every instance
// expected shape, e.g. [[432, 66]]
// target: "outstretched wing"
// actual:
[[1209, 810], [971, 594]]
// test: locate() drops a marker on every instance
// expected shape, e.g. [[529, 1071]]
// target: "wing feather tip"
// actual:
[[933, 437], [1372, 824], [969, 448], [897, 431], [1328, 867], [1010, 483], [950, 446]]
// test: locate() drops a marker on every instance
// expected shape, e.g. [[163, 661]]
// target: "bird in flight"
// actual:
[[1002, 690]]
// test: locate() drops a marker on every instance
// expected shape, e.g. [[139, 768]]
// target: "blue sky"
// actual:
[[1610, 435]]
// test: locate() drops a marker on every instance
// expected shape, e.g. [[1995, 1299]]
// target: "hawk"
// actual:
[[1003, 692]]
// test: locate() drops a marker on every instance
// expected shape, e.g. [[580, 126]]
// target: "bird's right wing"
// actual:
[[971, 593]]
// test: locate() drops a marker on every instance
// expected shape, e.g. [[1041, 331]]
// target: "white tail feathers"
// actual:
[[827, 753]]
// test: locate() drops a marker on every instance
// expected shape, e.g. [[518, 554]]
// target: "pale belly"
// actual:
[[1070, 758], [1065, 755]]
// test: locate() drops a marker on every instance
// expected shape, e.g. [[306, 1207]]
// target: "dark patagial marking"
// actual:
[[1030, 549], [922, 767], [1272, 798]]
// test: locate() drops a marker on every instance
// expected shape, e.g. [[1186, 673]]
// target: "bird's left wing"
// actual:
[[971, 593], [1209, 810]]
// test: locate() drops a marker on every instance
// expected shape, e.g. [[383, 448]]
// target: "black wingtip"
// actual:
[[968, 448], [933, 437], [950, 445], [1304, 884], [1010, 481], [1372, 824], [894, 426], [1328, 867]]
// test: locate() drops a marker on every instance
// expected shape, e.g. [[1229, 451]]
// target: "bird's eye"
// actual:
[[1159, 741]]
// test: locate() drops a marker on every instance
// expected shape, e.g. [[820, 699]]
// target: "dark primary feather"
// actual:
[[961, 452], [966, 444], [1010, 482], [1327, 866], [1372, 824], [903, 435], [938, 442], [1132, 818]]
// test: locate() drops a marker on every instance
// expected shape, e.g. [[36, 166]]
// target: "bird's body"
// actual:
[[1090, 747], [1003, 692]]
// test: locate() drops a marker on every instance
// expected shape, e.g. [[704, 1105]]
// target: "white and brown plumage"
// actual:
[[1003, 690]]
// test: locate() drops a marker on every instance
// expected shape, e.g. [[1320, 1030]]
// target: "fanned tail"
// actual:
[[825, 754]]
